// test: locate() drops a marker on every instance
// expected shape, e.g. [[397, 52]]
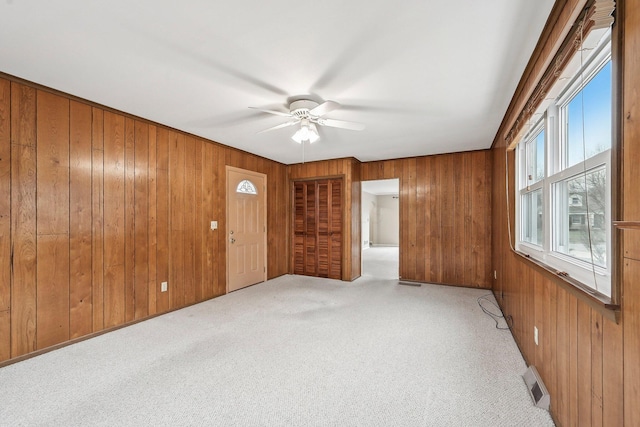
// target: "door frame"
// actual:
[[226, 238]]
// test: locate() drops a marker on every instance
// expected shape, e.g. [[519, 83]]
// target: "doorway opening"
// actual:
[[381, 228]]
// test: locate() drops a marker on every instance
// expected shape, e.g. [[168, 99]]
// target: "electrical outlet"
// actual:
[[163, 286], [495, 274], [535, 335]]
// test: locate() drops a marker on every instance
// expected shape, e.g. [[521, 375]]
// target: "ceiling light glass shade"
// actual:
[[306, 133]]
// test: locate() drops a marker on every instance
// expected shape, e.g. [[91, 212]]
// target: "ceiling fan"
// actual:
[[308, 113]]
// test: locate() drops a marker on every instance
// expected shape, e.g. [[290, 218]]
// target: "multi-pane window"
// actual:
[[564, 177], [533, 167]]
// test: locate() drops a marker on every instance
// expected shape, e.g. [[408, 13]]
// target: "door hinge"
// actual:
[[265, 269]]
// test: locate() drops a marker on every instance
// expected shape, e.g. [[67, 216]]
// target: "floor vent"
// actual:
[[409, 283], [536, 388]]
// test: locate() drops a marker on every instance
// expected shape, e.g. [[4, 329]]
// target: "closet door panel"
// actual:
[[317, 226], [335, 230]]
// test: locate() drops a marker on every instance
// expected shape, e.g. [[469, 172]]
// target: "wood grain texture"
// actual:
[[80, 220], [23, 219], [445, 208], [129, 220], [114, 220], [356, 220], [153, 221], [163, 303], [602, 358], [208, 213], [5, 335], [117, 205], [5, 220], [351, 206], [631, 319], [52, 221], [197, 225], [176, 212], [141, 221], [189, 211], [220, 212], [97, 218], [5, 210], [612, 374]]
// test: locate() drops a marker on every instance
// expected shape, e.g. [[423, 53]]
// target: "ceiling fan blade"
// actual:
[[280, 126], [277, 113], [324, 108], [341, 124]]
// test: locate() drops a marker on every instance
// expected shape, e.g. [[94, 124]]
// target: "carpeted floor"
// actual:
[[380, 262], [294, 351]]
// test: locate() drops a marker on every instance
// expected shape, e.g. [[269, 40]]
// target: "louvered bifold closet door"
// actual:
[[310, 235], [317, 225], [324, 228], [335, 229], [299, 224]]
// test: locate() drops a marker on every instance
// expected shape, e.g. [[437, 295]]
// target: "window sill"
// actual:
[[599, 302]]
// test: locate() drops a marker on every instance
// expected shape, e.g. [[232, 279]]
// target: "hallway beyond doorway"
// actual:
[[381, 262]]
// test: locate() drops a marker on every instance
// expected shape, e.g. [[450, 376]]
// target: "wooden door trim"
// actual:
[[226, 226]]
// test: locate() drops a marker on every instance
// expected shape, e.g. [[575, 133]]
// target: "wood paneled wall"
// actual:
[[445, 216], [349, 169], [589, 363], [97, 208]]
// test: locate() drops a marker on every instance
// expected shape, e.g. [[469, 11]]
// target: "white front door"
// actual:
[[246, 228]]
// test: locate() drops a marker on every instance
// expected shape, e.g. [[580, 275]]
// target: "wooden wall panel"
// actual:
[[176, 213], [80, 233], [97, 218], [356, 220], [631, 318], [114, 219], [588, 362], [99, 208], [162, 231], [220, 212], [189, 212], [153, 221], [129, 219], [5, 335], [141, 221], [5, 220], [445, 208], [208, 240], [52, 221], [5, 208], [197, 225]]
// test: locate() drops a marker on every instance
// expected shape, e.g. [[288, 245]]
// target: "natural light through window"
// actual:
[[246, 187], [564, 174]]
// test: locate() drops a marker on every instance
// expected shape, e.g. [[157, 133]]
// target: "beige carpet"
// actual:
[[293, 351]]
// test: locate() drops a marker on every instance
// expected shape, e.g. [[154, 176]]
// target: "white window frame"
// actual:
[[550, 117]]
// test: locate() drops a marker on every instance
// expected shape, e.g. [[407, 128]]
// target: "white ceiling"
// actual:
[[425, 76], [382, 187]]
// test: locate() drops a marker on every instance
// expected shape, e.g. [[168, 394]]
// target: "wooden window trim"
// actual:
[[598, 302]]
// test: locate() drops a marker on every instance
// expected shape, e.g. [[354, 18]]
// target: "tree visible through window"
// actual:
[[564, 196]]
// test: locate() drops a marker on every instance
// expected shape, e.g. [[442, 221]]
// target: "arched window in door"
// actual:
[[245, 186]]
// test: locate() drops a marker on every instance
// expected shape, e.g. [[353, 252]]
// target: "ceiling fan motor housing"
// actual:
[[301, 108]]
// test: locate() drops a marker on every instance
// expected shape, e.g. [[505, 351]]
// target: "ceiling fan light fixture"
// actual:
[[307, 133]]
